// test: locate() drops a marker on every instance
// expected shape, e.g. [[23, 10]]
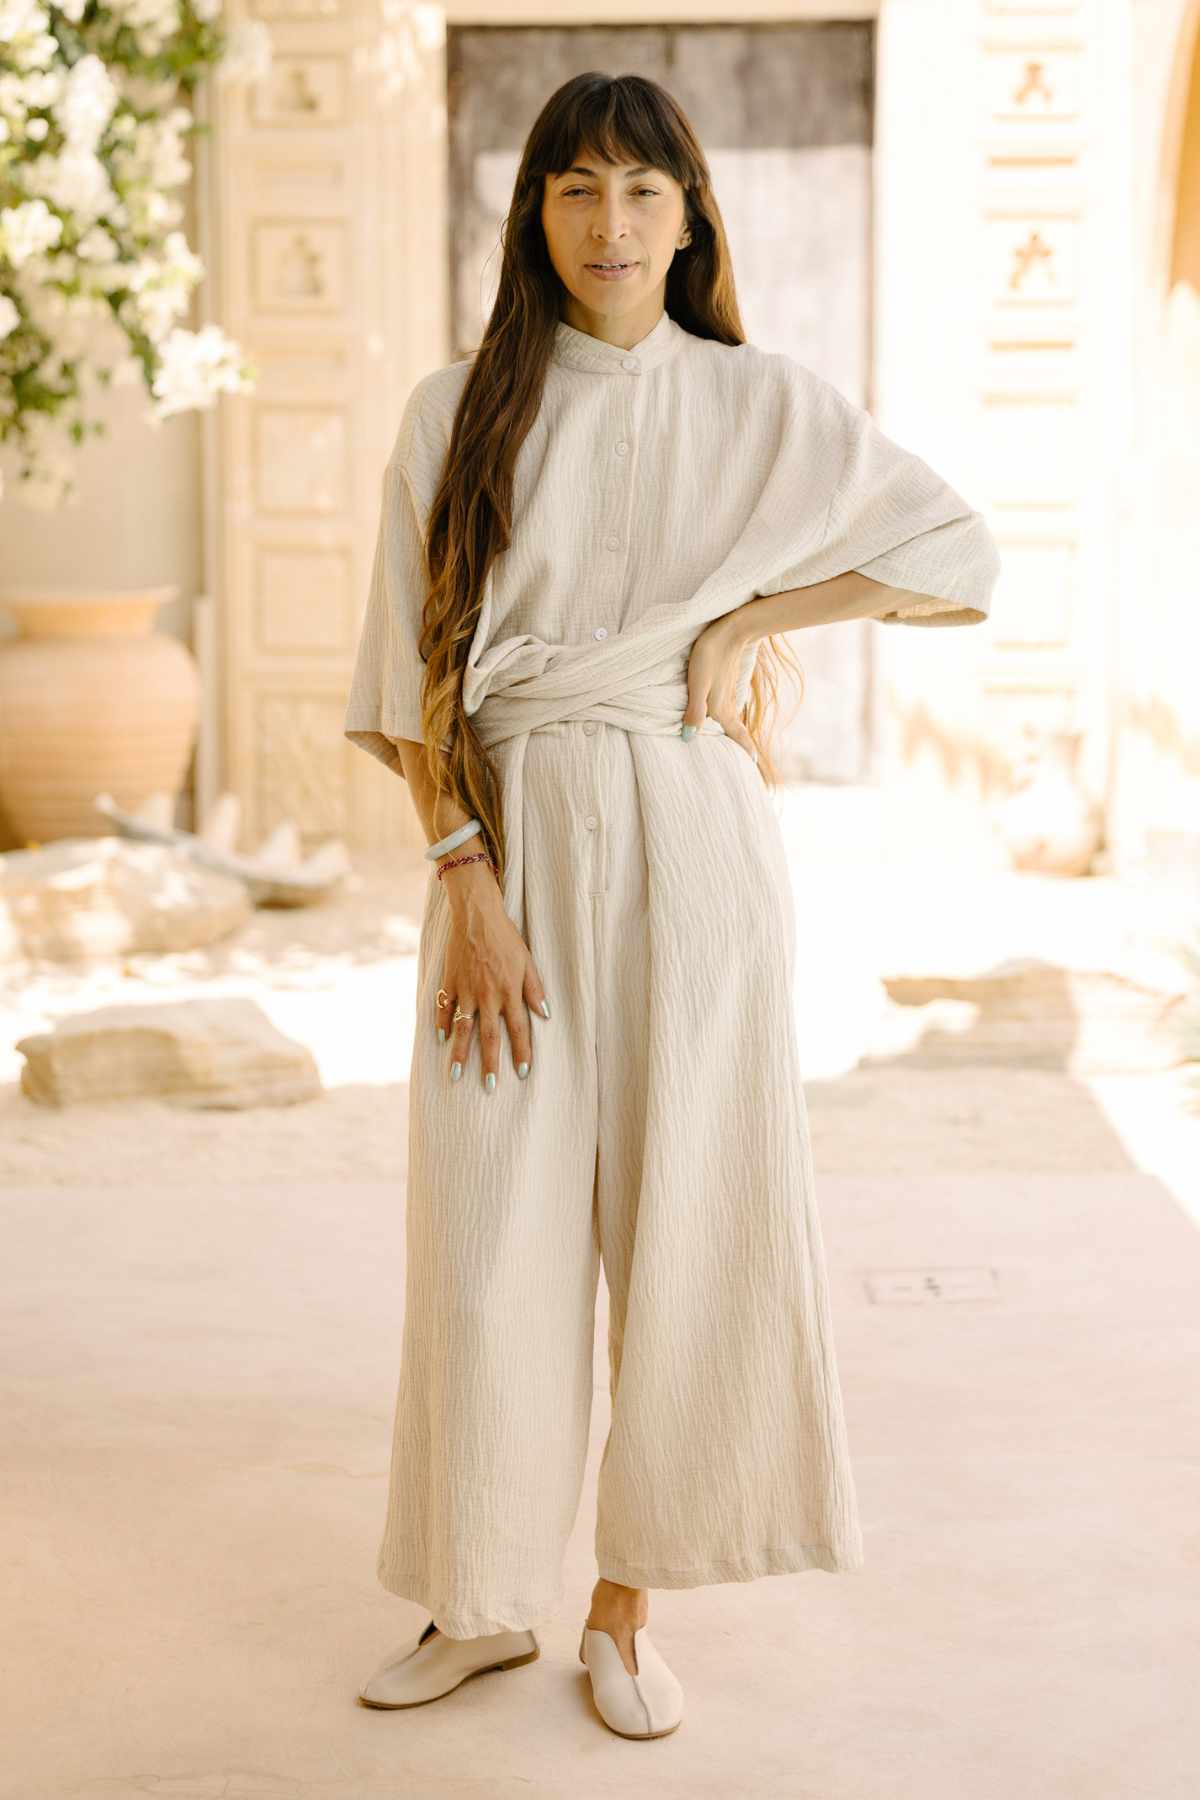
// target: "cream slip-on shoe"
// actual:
[[646, 1705], [436, 1665]]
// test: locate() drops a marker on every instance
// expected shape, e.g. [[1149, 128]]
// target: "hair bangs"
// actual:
[[612, 121]]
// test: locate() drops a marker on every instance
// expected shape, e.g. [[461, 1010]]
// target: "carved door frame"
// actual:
[[324, 222]]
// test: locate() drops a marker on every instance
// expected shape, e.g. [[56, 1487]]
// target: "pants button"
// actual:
[[591, 821], [589, 726]]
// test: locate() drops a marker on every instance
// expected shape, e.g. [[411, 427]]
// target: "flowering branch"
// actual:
[[95, 272]]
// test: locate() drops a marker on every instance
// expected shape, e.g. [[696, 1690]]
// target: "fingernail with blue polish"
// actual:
[[688, 732], [455, 1071], [490, 1083], [522, 1070], [441, 1034]]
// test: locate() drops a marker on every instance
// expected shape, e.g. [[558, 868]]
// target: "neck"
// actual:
[[622, 330]]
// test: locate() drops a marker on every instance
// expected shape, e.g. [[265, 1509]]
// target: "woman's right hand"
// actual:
[[488, 969]]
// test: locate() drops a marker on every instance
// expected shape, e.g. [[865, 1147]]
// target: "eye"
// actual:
[[567, 192]]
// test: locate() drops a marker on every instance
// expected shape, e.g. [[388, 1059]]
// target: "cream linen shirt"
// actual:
[[658, 488]]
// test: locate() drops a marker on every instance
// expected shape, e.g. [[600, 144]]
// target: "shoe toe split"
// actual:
[[435, 1665], [646, 1705]]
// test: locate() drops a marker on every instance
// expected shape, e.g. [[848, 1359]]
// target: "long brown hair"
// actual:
[[617, 118]]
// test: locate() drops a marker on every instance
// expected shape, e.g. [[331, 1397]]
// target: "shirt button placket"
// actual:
[[593, 821], [593, 828], [613, 540]]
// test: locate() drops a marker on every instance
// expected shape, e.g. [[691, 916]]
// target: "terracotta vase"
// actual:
[[1048, 821], [92, 700]]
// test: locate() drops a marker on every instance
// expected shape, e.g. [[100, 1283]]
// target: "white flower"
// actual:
[[22, 22], [125, 273], [64, 322], [181, 259], [75, 180], [97, 245], [194, 367], [154, 158], [21, 18], [42, 88], [162, 285], [42, 51], [86, 104], [159, 309], [27, 229], [154, 21], [158, 210]]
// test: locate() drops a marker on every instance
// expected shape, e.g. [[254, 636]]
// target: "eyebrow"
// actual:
[[582, 169]]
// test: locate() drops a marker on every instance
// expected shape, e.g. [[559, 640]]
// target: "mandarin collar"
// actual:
[[579, 350]]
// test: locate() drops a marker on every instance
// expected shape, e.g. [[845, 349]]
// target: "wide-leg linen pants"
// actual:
[[662, 1133]]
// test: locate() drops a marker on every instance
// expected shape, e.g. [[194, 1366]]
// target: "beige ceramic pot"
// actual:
[[92, 700]]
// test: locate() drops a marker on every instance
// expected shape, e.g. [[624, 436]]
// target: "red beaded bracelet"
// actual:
[[476, 856]]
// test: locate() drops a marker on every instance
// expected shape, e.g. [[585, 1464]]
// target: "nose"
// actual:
[[609, 223]]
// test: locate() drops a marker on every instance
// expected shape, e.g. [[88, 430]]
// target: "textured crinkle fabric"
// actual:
[[650, 499], [662, 1131]]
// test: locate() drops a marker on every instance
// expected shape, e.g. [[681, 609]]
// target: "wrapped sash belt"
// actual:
[[637, 682]]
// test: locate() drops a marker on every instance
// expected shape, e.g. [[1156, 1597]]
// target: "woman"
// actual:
[[590, 529]]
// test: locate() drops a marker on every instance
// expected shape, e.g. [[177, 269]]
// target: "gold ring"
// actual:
[[462, 1015], [443, 998]]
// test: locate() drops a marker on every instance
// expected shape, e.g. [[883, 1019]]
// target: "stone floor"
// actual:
[[203, 1328]]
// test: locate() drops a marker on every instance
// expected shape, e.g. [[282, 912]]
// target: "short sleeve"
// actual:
[[384, 702], [892, 517]]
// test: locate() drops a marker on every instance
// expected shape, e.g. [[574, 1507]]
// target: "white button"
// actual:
[[612, 543], [631, 362], [601, 631], [591, 821], [589, 726], [621, 448]]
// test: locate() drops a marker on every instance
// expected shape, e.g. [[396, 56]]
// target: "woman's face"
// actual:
[[594, 213]]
